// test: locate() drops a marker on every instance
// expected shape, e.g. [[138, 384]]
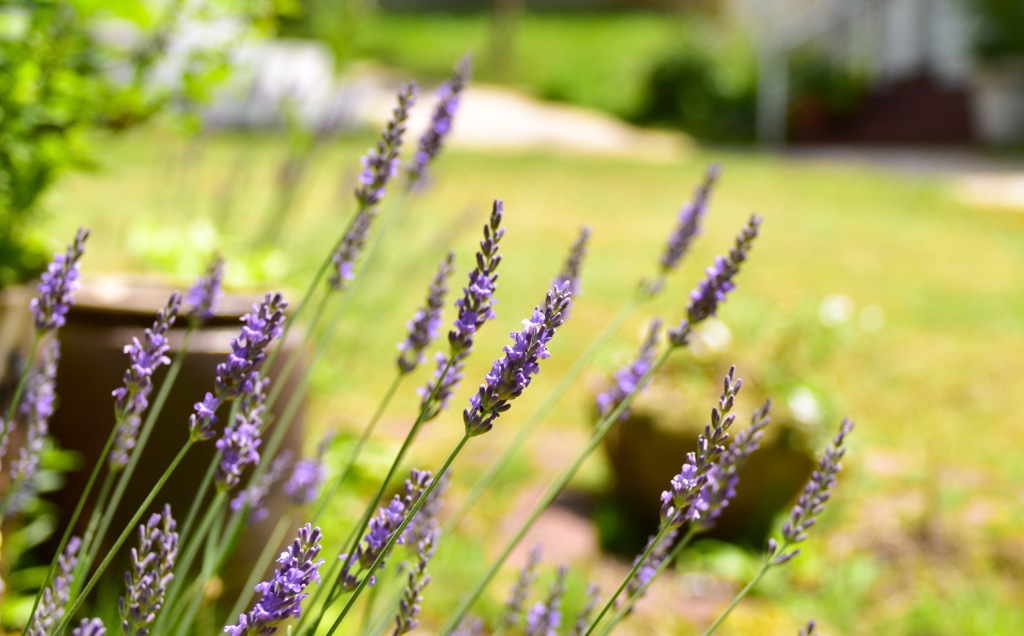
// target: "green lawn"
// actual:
[[924, 535]]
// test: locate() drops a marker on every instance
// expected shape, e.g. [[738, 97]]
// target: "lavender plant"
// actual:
[[440, 124], [57, 595], [516, 602], [151, 571]]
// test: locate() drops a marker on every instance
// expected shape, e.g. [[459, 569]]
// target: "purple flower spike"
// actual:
[[151, 572], [812, 501], [205, 294], [689, 226], [240, 373], [521, 589], [281, 597], [425, 520], [476, 307], [512, 374], [90, 627], [255, 496], [37, 407], [303, 486], [55, 597], [240, 442], [571, 270], [409, 606], [545, 618], [809, 629], [59, 281], [724, 477], [424, 326], [583, 618], [132, 399], [687, 497], [645, 574], [345, 257], [711, 291], [628, 378], [440, 124]]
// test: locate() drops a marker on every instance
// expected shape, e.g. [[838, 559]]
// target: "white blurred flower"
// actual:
[[709, 339], [835, 310], [805, 406], [872, 318]]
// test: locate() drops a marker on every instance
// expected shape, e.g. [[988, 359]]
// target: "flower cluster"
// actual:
[[812, 501], [571, 270], [132, 399], [151, 572], [475, 308], [521, 588], [545, 617], [628, 378], [59, 281], [281, 597], [90, 627], [511, 374], [656, 553], [583, 618], [409, 605], [57, 595], [424, 326], [205, 294], [255, 496], [688, 227], [240, 442], [36, 407], [303, 486], [711, 291], [239, 374], [440, 124]]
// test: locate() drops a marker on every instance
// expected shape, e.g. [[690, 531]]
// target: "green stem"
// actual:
[[293, 359], [90, 532], [602, 429], [338, 480], [171, 606], [410, 515], [637, 564], [739, 597], [77, 602], [485, 480]]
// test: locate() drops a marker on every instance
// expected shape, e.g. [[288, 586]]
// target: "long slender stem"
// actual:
[[636, 596], [207, 530], [739, 597], [339, 479], [410, 515], [662, 531], [602, 429], [90, 531], [77, 602], [485, 480]]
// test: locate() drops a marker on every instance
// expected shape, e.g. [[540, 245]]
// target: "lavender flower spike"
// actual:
[[90, 627], [583, 618], [521, 589], [711, 291], [511, 375], [132, 399], [812, 501], [545, 618], [440, 124], [476, 307], [645, 573], [627, 379], [37, 407], [239, 444], [240, 372], [204, 295], [151, 572], [379, 165], [281, 597], [303, 486], [256, 495], [571, 270], [55, 597], [58, 282], [424, 326], [688, 228], [408, 607]]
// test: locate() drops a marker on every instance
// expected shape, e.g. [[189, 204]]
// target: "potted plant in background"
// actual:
[[998, 95]]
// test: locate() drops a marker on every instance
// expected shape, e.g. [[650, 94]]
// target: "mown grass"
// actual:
[[923, 537]]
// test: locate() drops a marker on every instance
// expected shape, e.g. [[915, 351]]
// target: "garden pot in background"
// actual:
[[108, 313]]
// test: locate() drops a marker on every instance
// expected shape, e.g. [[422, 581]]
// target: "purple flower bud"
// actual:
[[205, 294], [711, 291], [521, 589], [132, 399], [571, 270], [58, 282], [281, 597], [303, 486], [424, 326], [583, 618], [645, 574], [425, 520], [90, 627], [628, 378], [545, 617], [512, 374], [689, 226], [409, 606], [816, 493], [151, 572], [469, 626], [36, 407], [440, 124], [809, 629], [239, 374], [57, 595], [239, 444], [255, 497]]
